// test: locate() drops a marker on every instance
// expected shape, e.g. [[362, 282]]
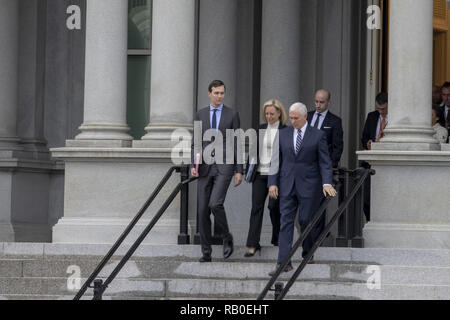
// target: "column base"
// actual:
[[408, 139], [98, 143], [166, 136], [102, 135], [406, 146], [397, 235], [12, 144]]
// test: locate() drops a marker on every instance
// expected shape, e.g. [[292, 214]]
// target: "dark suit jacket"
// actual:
[[370, 128], [262, 126], [229, 119], [332, 125], [310, 169], [446, 123]]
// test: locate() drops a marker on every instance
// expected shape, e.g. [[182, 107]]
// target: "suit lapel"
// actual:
[[207, 118], [326, 121], [222, 118]]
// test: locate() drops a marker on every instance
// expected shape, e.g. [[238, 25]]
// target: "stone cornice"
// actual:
[[401, 158], [118, 154]]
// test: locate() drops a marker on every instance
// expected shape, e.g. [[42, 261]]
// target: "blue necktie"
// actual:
[[214, 120], [298, 143], [316, 125], [214, 126]]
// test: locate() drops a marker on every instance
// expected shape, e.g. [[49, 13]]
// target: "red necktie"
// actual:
[[382, 126]]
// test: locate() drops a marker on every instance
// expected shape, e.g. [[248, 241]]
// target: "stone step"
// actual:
[[174, 269], [41, 271], [305, 290], [369, 256], [222, 289]]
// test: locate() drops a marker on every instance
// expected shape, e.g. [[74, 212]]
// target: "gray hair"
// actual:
[[298, 106]]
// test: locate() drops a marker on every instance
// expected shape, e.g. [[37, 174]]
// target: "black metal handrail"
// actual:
[[99, 286], [280, 293], [350, 222]]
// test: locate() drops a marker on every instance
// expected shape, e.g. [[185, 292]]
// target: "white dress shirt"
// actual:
[[265, 153], [379, 125], [321, 119]]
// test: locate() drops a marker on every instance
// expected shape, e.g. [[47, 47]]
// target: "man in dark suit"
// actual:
[[214, 172], [323, 119], [373, 131], [303, 177], [445, 105], [376, 122]]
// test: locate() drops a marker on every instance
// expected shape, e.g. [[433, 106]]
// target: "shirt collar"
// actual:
[[273, 126], [303, 129], [211, 108], [322, 113]]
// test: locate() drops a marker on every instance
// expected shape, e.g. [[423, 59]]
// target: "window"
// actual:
[[139, 58]]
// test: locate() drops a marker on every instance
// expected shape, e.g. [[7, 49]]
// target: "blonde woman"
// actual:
[[274, 117]]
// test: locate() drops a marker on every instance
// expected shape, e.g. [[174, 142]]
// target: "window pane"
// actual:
[[138, 99], [139, 24]]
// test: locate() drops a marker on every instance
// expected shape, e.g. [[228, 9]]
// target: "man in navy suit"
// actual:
[[301, 173], [323, 119]]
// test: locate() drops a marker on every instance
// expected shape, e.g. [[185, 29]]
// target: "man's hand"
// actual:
[[273, 192], [329, 190], [237, 179], [194, 172], [369, 145]]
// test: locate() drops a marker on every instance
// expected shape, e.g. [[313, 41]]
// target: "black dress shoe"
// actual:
[[288, 268], [227, 246], [205, 258]]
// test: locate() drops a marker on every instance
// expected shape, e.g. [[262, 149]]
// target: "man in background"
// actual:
[[374, 127]]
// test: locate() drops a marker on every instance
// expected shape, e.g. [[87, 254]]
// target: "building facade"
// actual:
[[92, 90]]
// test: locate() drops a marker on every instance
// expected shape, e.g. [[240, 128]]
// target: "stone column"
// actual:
[[280, 70], [410, 77], [407, 206], [9, 53], [105, 77], [173, 74], [218, 49]]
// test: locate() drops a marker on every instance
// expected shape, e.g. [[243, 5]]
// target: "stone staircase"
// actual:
[[48, 271]]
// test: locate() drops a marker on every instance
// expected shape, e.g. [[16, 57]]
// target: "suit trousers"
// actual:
[[211, 192], [288, 206], [259, 195]]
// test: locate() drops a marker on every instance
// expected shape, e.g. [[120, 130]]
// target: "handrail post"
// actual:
[[278, 290], [98, 290], [342, 238], [183, 237], [357, 239]]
